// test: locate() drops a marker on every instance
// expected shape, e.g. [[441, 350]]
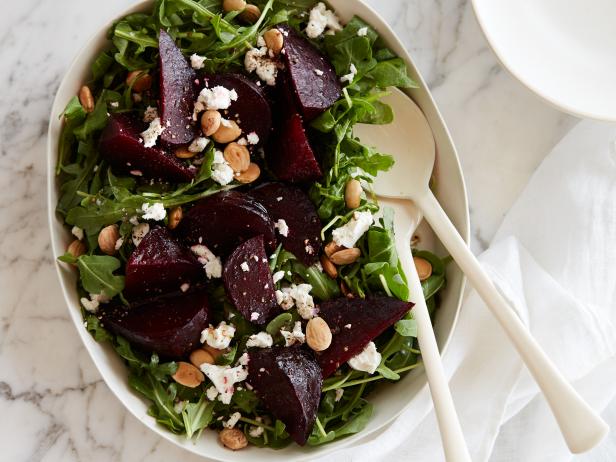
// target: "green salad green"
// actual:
[[92, 196]]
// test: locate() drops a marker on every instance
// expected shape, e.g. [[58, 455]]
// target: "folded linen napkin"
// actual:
[[554, 258]]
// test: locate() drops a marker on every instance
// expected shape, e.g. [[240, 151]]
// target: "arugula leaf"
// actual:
[[391, 73], [197, 416], [96, 274], [406, 327]]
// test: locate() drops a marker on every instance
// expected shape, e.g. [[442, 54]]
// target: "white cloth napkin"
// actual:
[[554, 258]]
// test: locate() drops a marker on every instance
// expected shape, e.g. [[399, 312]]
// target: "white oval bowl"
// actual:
[[389, 400]]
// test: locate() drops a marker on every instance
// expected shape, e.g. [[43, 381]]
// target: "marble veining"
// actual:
[[53, 403]]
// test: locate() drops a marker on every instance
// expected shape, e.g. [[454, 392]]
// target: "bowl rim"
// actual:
[[52, 146]]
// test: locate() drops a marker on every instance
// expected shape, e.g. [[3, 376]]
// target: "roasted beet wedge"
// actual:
[[288, 381], [249, 282], [291, 204], [291, 157], [252, 110], [367, 318], [159, 265], [169, 325], [312, 77], [226, 219], [122, 147], [177, 93]]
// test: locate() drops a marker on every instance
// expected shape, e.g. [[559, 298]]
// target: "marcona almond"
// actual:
[[107, 239], [188, 375], [140, 80], [214, 351], [345, 256], [274, 40], [76, 248], [251, 14], [329, 267], [318, 334], [200, 356], [424, 268], [249, 175], [352, 194], [233, 438], [331, 248], [183, 153], [227, 132], [210, 122], [175, 216], [233, 5], [86, 99], [237, 156]]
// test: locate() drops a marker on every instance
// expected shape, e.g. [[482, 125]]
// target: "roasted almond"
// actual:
[[249, 175], [107, 239], [214, 351], [188, 375], [86, 99], [233, 438], [200, 356], [274, 40], [352, 194], [251, 14], [210, 122], [183, 153], [140, 80], [329, 267], [237, 156], [233, 5], [345, 256], [175, 216], [227, 132], [318, 334], [331, 248], [424, 268], [76, 248]]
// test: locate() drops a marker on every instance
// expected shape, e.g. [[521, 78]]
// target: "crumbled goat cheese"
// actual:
[[139, 233], [184, 287], [136, 172], [252, 138], [284, 299], [257, 60], [351, 75], [233, 419], [114, 104], [134, 220], [196, 61], [254, 315], [318, 72], [255, 432], [223, 378], [339, 393], [198, 144], [77, 232], [282, 227], [320, 19], [151, 134], [150, 114], [94, 302], [222, 173], [298, 295], [214, 98], [211, 393], [155, 211], [245, 267], [211, 263], [362, 31], [277, 276], [295, 336], [218, 337], [350, 233], [244, 359], [260, 340], [366, 361], [119, 243]]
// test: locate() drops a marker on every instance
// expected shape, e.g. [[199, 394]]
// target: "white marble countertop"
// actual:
[[53, 404]]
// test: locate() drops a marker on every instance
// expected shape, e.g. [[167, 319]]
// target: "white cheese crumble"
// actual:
[[362, 31], [282, 227], [367, 361], [299, 296], [260, 340], [184, 287], [77, 232], [245, 267], [339, 393], [320, 19], [94, 302], [211, 263], [119, 243], [295, 336], [257, 60], [218, 337], [151, 134], [222, 173], [244, 359], [255, 432], [214, 98], [211, 393], [252, 138], [351, 75], [155, 211], [350, 233], [233, 419], [284, 299], [139, 233], [223, 378], [196, 61], [198, 144], [277, 276], [318, 72], [150, 114], [254, 315]]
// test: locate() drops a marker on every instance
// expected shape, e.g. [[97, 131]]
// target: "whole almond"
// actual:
[[274, 40], [346, 256], [233, 5], [175, 216], [86, 99], [318, 334], [352, 194], [140, 80], [331, 248], [200, 356], [233, 438], [249, 175], [227, 132], [188, 375], [251, 14], [237, 156], [210, 122], [107, 239], [183, 153], [424, 268], [329, 267], [76, 248]]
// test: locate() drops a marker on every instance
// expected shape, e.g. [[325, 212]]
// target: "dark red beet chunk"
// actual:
[[252, 290], [226, 219], [291, 158], [251, 111], [177, 93], [159, 265], [368, 319], [288, 381], [122, 147], [291, 204], [313, 93], [170, 325]]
